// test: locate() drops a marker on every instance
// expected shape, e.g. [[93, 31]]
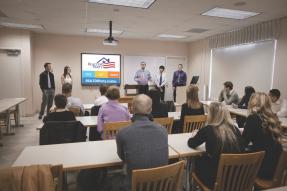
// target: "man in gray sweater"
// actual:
[[228, 94], [144, 144]]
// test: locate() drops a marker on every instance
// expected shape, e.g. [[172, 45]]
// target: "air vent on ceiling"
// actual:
[[2, 14], [197, 30]]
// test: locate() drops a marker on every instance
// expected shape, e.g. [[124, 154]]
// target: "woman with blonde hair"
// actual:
[[66, 76], [262, 129], [220, 136], [192, 106]]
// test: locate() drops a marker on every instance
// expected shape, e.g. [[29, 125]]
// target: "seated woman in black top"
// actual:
[[192, 105], [249, 90], [262, 130], [158, 109], [60, 112], [220, 136]]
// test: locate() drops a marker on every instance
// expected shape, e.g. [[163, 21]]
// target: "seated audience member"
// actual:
[[228, 94], [158, 109], [278, 105], [72, 101], [249, 90], [112, 111], [262, 130], [143, 144], [220, 136], [102, 99], [192, 106], [60, 113]]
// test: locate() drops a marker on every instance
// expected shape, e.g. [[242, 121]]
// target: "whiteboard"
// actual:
[[131, 64], [244, 65]]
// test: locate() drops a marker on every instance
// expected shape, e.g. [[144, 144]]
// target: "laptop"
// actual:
[[194, 80]]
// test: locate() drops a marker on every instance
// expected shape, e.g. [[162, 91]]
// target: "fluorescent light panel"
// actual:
[[229, 13], [128, 3], [103, 31], [21, 26], [170, 36]]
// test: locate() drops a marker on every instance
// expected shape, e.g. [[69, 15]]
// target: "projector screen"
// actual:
[[244, 65], [101, 69]]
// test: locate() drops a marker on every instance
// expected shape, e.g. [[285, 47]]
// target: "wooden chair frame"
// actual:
[[112, 128], [165, 178], [57, 172], [167, 122], [236, 172], [280, 175], [193, 122]]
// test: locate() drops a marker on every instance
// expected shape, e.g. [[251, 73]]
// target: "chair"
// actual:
[[128, 100], [193, 122], [280, 175], [56, 132], [167, 122], [165, 178], [112, 128], [76, 110], [236, 172], [94, 135], [12, 178]]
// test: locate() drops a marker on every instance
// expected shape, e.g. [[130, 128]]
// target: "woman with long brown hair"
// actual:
[[220, 136], [262, 129], [66, 76], [192, 106]]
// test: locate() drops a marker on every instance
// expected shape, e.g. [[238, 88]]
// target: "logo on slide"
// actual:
[[103, 63]]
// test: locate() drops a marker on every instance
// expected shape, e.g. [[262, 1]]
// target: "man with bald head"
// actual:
[[144, 143]]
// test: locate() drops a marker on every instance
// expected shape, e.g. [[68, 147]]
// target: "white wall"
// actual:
[[19, 39], [199, 61]]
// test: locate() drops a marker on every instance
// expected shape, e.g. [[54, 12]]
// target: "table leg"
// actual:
[[17, 120], [8, 124]]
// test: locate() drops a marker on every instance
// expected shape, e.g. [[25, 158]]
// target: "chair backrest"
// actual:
[[57, 172], [167, 122], [193, 122], [76, 110], [170, 106], [165, 178], [280, 174], [95, 110], [128, 100], [237, 172], [112, 128], [56, 132]]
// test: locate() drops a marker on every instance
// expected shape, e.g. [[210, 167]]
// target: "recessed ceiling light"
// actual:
[[128, 3], [21, 26], [103, 31], [170, 36], [229, 13]]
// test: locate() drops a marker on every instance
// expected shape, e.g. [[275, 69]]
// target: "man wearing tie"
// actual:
[[47, 85], [160, 81], [142, 77], [179, 79]]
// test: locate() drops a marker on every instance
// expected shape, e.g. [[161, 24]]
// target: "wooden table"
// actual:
[[75, 156], [5, 105], [88, 106], [244, 112], [179, 143]]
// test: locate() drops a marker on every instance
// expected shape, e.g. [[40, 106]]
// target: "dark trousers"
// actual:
[[47, 100], [143, 89], [162, 92]]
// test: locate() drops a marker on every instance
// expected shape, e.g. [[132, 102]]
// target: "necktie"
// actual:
[[49, 82], [160, 80], [178, 77]]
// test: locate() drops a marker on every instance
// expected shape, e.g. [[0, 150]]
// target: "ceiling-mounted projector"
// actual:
[[110, 40]]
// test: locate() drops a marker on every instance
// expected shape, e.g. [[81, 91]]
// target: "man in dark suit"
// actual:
[[179, 79], [47, 85], [143, 144]]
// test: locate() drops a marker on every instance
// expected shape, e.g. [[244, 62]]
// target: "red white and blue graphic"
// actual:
[[98, 69]]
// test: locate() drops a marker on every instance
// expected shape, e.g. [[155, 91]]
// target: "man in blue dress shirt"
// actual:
[[179, 79], [142, 77]]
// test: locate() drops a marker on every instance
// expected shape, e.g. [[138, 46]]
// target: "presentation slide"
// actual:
[[98, 69]]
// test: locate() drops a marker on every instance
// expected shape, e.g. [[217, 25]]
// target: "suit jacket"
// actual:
[[44, 80]]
